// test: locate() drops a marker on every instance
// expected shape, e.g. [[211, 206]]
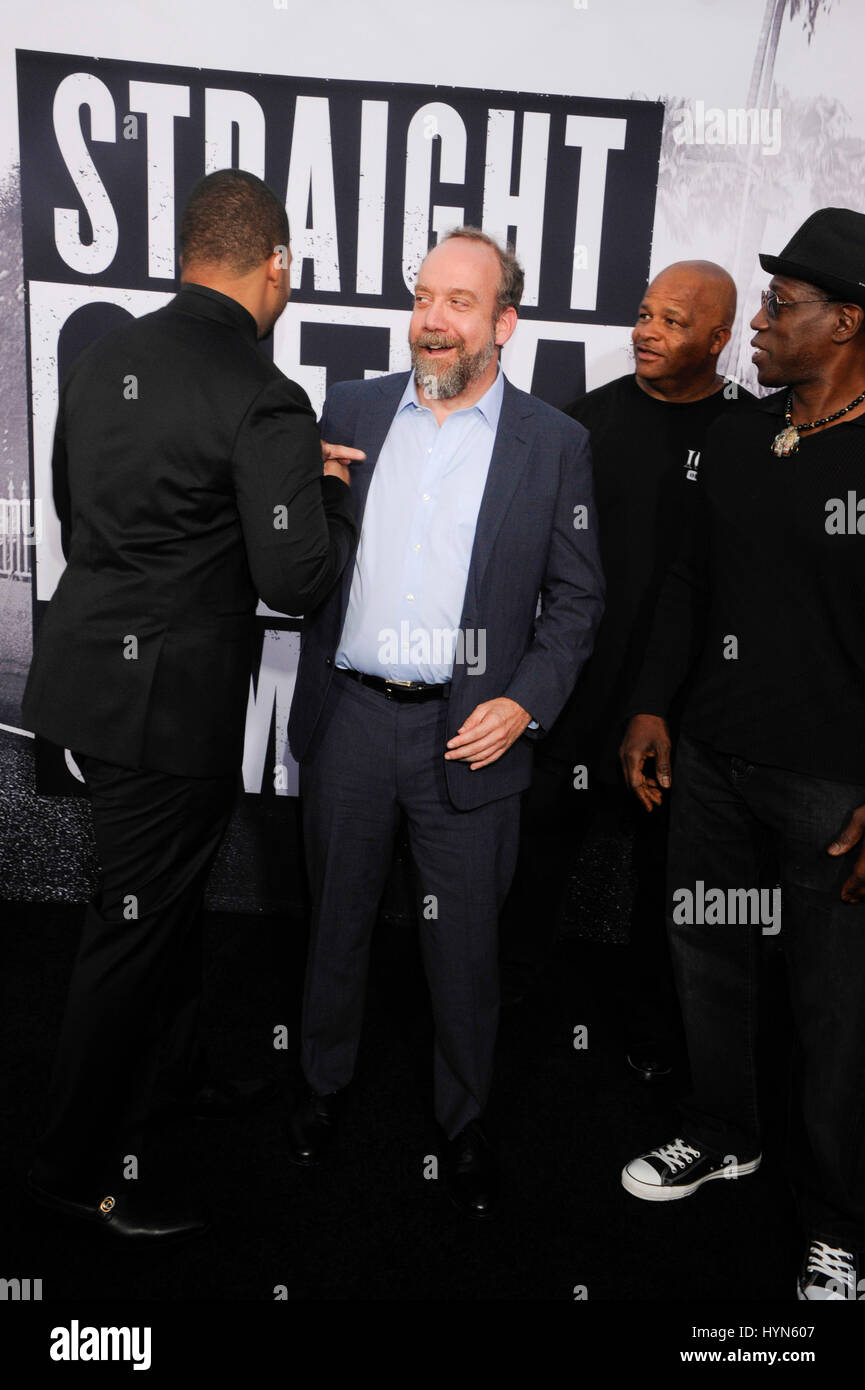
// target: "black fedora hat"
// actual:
[[828, 251]]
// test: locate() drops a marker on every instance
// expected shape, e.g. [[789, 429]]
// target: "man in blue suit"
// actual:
[[425, 675]]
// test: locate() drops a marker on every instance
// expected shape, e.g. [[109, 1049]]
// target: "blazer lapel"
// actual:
[[509, 458], [373, 422]]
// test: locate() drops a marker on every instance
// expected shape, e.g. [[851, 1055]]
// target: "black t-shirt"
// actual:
[[766, 608], [646, 457]]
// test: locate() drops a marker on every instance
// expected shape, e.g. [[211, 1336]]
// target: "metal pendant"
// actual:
[[787, 442]]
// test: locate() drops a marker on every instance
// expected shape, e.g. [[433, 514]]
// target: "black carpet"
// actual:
[[370, 1225]]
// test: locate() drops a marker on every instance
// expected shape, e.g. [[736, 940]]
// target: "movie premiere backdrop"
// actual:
[[599, 180]]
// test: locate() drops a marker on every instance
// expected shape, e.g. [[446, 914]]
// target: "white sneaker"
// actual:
[[678, 1169], [828, 1274]]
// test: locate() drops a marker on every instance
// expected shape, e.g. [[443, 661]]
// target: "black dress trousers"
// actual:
[[370, 759], [134, 994]]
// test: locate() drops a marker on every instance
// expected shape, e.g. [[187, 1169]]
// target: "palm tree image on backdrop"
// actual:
[[779, 156]]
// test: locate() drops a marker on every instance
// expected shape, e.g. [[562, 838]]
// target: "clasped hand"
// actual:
[[336, 459], [647, 736]]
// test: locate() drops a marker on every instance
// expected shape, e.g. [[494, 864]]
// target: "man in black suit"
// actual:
[[422, 672], [188, 481]]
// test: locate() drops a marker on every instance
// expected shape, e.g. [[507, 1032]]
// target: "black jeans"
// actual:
[[725, 815]]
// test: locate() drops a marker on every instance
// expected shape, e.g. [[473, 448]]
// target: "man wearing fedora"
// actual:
[[765, 612]]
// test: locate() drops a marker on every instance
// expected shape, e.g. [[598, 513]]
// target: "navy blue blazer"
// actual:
[[536, 535]]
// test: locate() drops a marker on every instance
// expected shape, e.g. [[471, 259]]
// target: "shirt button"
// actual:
[[410, 597], [426, 497], [416, 547]]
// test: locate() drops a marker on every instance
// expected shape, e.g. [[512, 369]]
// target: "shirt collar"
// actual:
[[212, 304], [489, 405]]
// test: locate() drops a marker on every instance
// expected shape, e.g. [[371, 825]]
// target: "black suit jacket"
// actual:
[[188, 481], [526, 544]]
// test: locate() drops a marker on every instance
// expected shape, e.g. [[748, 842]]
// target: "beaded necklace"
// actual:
[[787, 441]]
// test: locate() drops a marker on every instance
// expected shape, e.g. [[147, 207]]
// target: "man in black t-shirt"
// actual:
[[647, 433], [764, 610]]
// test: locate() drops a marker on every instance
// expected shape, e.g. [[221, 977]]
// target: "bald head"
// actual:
[[709, 287], [684, 323]]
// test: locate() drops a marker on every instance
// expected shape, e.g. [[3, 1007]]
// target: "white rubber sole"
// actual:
[[648, 1192], [802, 1297]]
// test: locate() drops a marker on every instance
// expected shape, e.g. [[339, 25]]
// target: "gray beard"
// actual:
[[456, 376]]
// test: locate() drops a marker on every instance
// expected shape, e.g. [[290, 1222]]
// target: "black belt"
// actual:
[[398, 690]]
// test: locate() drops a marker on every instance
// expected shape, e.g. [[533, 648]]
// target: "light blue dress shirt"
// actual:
[[416, 541]]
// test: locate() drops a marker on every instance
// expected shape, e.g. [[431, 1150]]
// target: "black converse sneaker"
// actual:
[[828, 1274], [678, 1169]]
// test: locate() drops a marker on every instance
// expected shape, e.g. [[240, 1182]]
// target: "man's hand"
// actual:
[[646, 736], [336, 459], [853, 834], [488, 732]]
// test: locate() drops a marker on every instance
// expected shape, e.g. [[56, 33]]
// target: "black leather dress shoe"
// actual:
[[217, 1098], [651, 1060], [221, 1099], [518, 980], [312, 1126], [127, 1221], [472, 1173]]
